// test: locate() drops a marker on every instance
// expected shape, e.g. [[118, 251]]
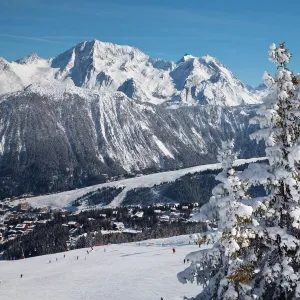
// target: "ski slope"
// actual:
[[145, 271], [64, 199]]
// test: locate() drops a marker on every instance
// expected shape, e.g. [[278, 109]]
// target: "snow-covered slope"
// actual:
[[124, 272], [62, 137], [108, 67], [65, 199]]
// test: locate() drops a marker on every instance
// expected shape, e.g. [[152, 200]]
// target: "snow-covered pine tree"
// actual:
[[268, 267], [277, 243], [223, 267]]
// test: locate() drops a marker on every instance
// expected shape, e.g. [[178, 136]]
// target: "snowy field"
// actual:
[[145, 271], [64, 199]]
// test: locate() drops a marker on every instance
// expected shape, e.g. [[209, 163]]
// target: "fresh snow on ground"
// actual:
[[64, 199], [146, 270]]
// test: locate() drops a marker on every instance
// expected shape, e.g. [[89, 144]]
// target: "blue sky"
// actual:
[[237, 32]]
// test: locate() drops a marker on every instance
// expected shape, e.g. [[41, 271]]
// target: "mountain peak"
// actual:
[[209, 59], [186, 57], [99, 48], [29, 59]]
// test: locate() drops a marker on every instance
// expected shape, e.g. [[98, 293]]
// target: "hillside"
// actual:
[[127, 271], [65, 199], [65, 139]]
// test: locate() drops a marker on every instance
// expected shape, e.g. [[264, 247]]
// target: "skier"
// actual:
[[184, 261], [173, 250], [161, 298], [21, 275], [64, 255], [50, 261], [77, 257], [87, 251], [104, 250], [56, 259]]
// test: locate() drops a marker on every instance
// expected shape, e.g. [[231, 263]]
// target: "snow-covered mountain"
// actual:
[[106, 67], [99, 110], [59, 137]]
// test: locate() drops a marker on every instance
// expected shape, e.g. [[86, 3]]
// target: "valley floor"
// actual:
[[65, 199], [137, 271]]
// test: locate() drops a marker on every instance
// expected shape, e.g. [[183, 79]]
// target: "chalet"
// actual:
[[73, 224], [24, 206], [119, 225], [42, 221], [12, 237], [164, 218], [29, 223], [174, 216], [44, 210], [32, 227], [21, 227], [12, 232], [7, 205], [139, 214], [131, 231], [173, 213], [103, 232]]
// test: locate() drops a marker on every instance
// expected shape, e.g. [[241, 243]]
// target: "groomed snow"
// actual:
[[146, 271]]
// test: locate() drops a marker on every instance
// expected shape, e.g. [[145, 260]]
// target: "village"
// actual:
[[21, 220]]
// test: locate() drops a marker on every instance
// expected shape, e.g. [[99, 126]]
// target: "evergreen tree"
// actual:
[[277, 244], [226, 266], [259, 258]]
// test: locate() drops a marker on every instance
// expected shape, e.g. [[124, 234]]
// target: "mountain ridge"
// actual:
[[104, 66]]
